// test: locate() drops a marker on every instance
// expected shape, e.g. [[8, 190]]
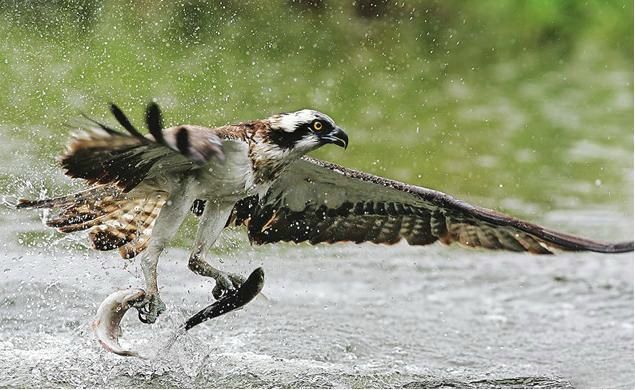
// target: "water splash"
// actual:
[[171, 340], [10, 201]]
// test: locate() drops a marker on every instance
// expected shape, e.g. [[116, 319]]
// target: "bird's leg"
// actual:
[[152, 305], [170, 218], [212, 223], [225, 281]]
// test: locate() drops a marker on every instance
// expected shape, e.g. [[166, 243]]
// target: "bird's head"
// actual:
[[305, 130]]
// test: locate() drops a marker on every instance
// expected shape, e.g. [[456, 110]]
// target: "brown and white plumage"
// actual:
[[316, 201], [134, 174], [255, 174], [145, 185], [106, 156]]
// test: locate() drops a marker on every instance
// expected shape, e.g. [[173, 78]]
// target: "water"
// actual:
[[344, 315], [545, 135]]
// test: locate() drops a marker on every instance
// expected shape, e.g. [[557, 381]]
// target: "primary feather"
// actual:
[[316, 201]]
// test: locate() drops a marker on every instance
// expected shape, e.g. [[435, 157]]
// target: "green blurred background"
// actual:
[[523, 106]]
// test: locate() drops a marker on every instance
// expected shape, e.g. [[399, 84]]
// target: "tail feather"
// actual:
[[126, 225], [147, 220], [76, 199], [105, 238], [115, 220], [133, 248], [85, 220], [86, 212]]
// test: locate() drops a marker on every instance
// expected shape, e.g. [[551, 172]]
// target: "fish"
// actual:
[[106, 325], [107, 328], [231, 300]]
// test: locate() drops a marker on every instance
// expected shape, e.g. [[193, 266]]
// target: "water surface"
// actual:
[[546, 135]]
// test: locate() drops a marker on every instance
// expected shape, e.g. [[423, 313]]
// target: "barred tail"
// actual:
[[77, 198], [115, 221]]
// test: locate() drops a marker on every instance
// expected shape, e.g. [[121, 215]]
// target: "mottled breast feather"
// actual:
[[316, 201]]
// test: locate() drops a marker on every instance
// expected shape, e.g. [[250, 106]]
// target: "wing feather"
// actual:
[[103, 155], [316, 201]]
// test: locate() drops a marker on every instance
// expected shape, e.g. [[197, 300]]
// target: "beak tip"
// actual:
[[337, 137], [344, 137]]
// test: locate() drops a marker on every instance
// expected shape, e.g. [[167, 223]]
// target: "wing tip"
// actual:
[[154, 121], [619, 247], [28, 204]]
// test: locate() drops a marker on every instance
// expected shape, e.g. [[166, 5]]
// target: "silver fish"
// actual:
[[106, 325]]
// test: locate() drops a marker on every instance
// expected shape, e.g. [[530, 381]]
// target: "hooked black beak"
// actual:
[[337, 137]]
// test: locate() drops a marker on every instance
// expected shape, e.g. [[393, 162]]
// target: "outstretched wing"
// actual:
[[104, 155], [316, 201]]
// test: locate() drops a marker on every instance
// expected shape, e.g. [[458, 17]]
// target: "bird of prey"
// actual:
[[256, 174]]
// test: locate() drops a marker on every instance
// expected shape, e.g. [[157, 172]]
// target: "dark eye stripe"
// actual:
[[289, 140]]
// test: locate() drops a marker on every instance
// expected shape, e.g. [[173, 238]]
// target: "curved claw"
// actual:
[[149, 308], [144, 316], [106, 325], [227, 283]]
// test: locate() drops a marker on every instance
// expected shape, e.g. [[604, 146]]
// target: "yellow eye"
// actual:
[[317, 125]]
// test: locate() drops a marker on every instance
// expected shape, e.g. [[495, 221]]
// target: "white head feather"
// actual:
[[289, 121]]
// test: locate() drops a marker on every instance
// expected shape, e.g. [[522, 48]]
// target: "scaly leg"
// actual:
[[212, 223], [225, 281], [170, 218]]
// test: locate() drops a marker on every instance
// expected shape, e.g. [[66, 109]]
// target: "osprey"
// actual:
[[256, 174]]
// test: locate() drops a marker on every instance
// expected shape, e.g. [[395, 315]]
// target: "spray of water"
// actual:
[[171, 340]]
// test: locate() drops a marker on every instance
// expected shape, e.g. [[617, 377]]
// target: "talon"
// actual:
[[226, 283], [218, 291], [150, 308]]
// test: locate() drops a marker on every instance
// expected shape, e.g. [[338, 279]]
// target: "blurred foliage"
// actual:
[[471, 94], [508, 27]]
